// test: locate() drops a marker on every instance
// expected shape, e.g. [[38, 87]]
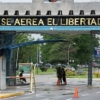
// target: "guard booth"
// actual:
[[26, 67], [29, 73]]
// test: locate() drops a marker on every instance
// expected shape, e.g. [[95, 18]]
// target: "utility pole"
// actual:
[[37, 57], [90, 63]]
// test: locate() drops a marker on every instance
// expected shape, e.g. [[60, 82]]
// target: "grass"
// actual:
[[49, 71], [93, 68], [81, 76], [53, 71]]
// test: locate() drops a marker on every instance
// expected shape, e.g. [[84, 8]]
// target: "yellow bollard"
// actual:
[[31, 79], [34, 79]]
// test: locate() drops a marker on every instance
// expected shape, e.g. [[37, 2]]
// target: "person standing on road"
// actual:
[[64, 76], [59, 75]]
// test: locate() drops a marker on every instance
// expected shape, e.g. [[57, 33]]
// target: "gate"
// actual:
[[11, 72]]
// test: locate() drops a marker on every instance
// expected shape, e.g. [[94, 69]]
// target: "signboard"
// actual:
[[97, 52], [49, 20], [25, 68]]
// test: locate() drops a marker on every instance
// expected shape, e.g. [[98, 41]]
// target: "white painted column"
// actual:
[[2, 73]]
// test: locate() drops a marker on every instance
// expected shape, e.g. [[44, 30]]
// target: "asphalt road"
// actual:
[[87, 94], [47, 90]]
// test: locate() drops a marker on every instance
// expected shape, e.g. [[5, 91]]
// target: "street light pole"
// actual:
[[68, 54], [68, 51], [37, 57], [18, 52], [17, 56]]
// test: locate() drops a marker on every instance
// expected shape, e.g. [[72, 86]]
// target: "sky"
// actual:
[[31, 0], [37, 36]]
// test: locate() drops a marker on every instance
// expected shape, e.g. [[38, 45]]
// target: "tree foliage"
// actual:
[[25, 53], [84, 47], [58, 52]]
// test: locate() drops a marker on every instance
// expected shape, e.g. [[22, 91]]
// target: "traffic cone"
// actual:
[[58, 82], [76, 93]]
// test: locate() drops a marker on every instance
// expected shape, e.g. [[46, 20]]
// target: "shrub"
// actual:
[[83, 73], [97, 74], [43, 69], [74, 74], [70, 73]]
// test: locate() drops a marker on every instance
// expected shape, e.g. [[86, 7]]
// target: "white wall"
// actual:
[[2, 73]]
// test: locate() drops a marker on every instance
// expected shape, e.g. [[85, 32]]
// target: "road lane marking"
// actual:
[[98, 92], [29, 93], [68, 91], [53, 98], [85, 94], [25, 98], [69, 99], [22, 87], [40, 95]]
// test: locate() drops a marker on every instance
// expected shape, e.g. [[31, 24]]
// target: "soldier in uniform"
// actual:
[[21, 75], [59, 75], [64, 76]]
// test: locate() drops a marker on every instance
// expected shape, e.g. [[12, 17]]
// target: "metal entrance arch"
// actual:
[[48, 24], [13, 81], [50, 29]]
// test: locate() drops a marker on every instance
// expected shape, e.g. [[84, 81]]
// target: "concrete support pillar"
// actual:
[[8, 54], [2, 72]]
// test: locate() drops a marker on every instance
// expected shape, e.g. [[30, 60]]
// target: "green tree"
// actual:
[[83, 50], [26, 53], [57, 52]]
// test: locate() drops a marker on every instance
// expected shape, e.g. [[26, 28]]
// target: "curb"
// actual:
[[10, 95]]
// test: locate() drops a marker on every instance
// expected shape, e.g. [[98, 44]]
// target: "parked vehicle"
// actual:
[[48, 65], [70, 68], [66, 67], [38, 65], [94, 64]]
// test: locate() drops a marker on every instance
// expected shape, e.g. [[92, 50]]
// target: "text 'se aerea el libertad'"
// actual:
[[50, 21]]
